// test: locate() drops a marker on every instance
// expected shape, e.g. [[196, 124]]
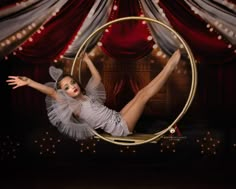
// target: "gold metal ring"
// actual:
[[158, 135]]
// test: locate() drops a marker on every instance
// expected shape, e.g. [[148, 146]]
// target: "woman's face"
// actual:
[[70, 86]]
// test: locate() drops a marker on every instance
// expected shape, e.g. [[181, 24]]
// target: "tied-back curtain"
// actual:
[[19, 21], [162, 36], [59, 33], [97, 16], [219, 14], [208, 45], [41, 32]]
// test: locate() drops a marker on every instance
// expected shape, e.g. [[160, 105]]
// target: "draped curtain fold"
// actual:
[[161, 35], [206, 45], [127, 39], [59, 33], [97, 16]]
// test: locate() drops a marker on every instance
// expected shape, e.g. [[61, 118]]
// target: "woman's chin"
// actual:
[[77, 94]]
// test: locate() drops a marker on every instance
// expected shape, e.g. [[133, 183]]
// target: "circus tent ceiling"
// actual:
[[42, 31]]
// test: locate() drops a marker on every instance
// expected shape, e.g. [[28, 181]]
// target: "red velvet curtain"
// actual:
[[126, 39], [204, 44], [57, 34]]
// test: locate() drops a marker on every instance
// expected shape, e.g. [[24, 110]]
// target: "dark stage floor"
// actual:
[[120, 174]]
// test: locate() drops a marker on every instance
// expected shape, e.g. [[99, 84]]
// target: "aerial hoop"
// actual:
[[137, 139]]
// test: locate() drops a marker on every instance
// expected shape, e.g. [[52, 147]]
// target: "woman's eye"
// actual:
[[66, 88], [73, 82]]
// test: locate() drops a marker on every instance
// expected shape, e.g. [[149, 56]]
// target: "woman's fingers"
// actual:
[[15, 87], [11, 83], [13, 77], [13, 80]]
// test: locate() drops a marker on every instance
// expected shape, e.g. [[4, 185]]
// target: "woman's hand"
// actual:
[[17, 81], [93, 70], [86, 58]]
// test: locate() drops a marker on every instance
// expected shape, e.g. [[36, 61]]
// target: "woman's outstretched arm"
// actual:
[[93, 70], [20, 81]]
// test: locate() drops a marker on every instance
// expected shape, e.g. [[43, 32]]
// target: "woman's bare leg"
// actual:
[[133, 110], [174, 59]]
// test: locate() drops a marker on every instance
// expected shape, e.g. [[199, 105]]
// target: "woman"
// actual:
[[75, 110]]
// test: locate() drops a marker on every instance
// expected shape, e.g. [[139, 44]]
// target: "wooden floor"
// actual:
[[120, 175]]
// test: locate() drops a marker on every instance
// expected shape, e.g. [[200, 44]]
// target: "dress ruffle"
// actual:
[[96, 91], [61, 115]]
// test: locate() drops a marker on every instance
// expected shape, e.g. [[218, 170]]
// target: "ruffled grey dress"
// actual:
[[76, 118]]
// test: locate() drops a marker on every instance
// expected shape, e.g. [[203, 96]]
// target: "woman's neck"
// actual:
[[81, 97]]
